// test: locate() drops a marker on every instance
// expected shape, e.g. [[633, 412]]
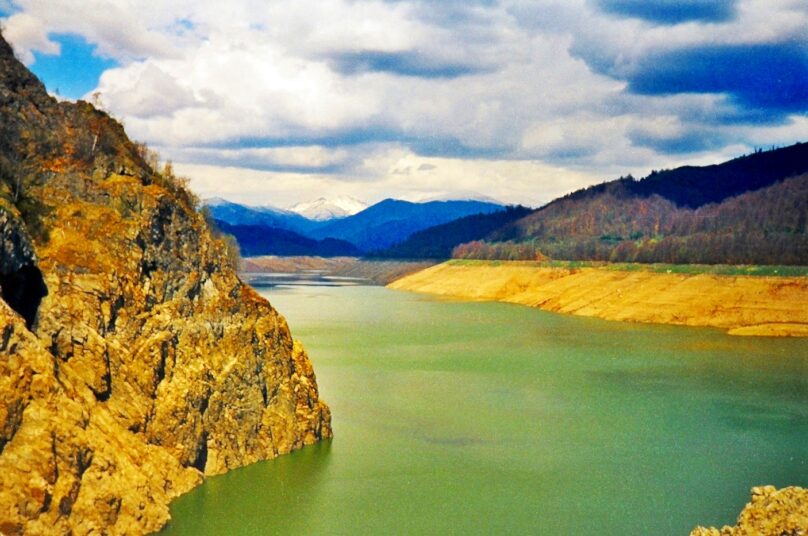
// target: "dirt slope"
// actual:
[[744, 305]]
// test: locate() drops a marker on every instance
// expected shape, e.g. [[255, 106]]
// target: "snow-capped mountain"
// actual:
[[323, 209], [236, 214]]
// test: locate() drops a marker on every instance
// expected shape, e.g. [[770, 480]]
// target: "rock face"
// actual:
[[133, 361], [772, 512]]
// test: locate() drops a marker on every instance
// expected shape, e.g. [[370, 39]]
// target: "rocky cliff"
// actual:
[[133, 361]]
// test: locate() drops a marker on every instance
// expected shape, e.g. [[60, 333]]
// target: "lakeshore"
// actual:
[[751, 305]]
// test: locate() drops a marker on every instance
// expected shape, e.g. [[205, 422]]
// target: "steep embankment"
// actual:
[[745, 305], [133, 361]]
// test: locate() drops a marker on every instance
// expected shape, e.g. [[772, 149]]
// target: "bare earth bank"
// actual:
[[377, 272], [743, 305]]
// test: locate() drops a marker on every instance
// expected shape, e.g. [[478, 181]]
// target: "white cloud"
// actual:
[[305, 157], [395, 172], [28, 34], [145, 91], [122, 29], [225, 83]]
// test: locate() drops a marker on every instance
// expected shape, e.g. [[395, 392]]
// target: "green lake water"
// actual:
[[487, 418]]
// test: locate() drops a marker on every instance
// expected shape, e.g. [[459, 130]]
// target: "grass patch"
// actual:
[[688, 269]]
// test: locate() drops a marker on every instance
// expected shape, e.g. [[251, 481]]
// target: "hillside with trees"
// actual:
[[692, 186], [438, 242], [271, 231], [664, 217], [256, 240]]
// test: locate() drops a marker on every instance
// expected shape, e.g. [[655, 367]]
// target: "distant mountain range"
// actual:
[[391, 221], [272, 231], [275, 218], [751, 209], [438, 242]]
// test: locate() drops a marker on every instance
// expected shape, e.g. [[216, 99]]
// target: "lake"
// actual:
[[487, 418]]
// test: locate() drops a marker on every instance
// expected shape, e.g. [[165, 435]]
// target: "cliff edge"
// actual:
[[133, 361]]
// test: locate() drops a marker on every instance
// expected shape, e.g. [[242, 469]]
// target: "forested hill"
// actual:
[[696, 186], [438, 242], [692, 187], [254, 240], [756, 216]]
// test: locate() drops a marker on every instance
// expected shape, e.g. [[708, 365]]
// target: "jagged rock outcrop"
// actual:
[[772, 512], [133, 361]]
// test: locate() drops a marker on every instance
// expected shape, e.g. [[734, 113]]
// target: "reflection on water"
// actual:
[[479, 418]]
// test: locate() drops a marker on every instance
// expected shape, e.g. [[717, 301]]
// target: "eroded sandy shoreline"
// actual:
[[743, 305]]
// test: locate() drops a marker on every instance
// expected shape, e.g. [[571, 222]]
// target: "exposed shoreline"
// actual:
[[376, 272], [741, 304]]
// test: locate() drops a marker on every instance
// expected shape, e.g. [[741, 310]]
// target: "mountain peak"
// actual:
[[216, 201], [322, 209]]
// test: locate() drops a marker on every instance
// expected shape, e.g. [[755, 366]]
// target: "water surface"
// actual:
[[479, 418]]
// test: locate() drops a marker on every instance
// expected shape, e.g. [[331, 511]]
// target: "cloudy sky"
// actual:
[[274, 102]]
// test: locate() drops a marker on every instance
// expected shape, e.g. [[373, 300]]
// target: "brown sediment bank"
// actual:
[[377, 272], [741, 304]]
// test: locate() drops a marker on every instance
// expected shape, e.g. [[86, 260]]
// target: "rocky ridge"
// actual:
[[133, 361]]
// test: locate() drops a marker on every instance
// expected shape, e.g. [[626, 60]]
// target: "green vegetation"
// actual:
[[438, 242], [661, 268], [612, 222]]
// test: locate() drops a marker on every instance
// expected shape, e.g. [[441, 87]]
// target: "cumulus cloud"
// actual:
[[146, 91], [390, 170], [29, 34], [518, 99]]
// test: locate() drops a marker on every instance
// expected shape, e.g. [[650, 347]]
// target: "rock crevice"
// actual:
[[22, 286]]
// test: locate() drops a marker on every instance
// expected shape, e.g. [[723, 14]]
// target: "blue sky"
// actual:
[[672, 11], [73, 72], [279, 102]]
